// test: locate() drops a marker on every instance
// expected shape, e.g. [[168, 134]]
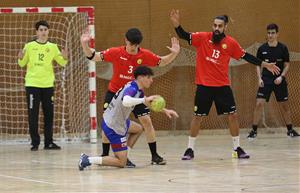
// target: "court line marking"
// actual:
[[27, 179]]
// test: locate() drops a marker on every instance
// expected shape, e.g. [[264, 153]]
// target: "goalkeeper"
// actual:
[[38, 56]]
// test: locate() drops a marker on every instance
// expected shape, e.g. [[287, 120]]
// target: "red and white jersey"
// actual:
[[212, 60], [124, 64]]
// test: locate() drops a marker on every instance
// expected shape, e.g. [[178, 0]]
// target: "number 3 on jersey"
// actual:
[[130, 69], [216, 54]]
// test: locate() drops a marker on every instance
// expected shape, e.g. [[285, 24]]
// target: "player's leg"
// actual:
[[225, 105], [263, 95], [203, 101], [118, 161], [119, 147], [105, 142], [47, 95], [134, 132], [281, 94], [142, 112], [33, 105]]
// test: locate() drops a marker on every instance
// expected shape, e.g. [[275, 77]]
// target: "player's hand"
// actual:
[[260, 83], [272, 68], [64, 53], [170, 113], [175, 17], [149, 99], [21, 54], [175, 45], [85, 37], [278, 80]]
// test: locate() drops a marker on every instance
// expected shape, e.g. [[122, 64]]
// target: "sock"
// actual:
[[128, 151], [254, 127], [152, 147], [95, 160], [105, 149], [236, 142], [191, 142], [289, 127]]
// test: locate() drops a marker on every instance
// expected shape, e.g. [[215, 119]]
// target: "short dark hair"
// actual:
[[134, 36], [43, 23], [142, 71], [223, 17], [273, 26]]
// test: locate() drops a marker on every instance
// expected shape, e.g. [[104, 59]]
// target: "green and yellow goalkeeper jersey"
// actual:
[[38, 57]]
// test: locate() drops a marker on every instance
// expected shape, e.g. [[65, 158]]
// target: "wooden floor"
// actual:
[[273, 167]]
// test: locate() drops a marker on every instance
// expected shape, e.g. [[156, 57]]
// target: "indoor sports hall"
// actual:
[[80, 89]]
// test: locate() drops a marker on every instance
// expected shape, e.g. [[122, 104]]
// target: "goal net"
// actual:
[[71, 99]]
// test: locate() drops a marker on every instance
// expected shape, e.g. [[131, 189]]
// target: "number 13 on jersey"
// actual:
[[215, 54]]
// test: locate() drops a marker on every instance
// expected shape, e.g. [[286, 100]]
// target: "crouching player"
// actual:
[[116, 123]]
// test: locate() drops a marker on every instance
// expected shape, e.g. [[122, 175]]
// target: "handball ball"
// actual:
[[158, 104]]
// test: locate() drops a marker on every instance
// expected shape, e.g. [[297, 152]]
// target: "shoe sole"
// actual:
[[159, 163], [186, 158], [130, 166]]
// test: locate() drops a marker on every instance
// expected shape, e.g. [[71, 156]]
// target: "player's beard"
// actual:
[[217, 37]]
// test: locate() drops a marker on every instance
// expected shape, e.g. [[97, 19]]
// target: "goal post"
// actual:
[[75, 85]]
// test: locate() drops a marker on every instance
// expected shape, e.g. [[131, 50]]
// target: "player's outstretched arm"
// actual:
[[175, 17], [88, 52], [175, 20], [253, 60], [170, 113], [175, 49]]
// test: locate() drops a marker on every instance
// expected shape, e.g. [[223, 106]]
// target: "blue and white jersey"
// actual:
[[116, 114]]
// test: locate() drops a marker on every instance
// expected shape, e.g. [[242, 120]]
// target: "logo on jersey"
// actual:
[[195, 108], [265, 53], [224, 46], [139, 61], [105, 105], [47, 50], [123, 58]]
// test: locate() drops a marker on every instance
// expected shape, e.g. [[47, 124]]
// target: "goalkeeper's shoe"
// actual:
[[293, 133], [252, 134]]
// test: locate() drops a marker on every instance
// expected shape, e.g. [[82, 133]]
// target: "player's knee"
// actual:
[[259, 104], [139, 129], [123, 162], [147, 123], [233, 116]]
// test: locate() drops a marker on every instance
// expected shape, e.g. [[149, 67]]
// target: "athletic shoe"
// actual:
[[252, 134], [34, 148], [293, 133], [158, 160], [129, 164], [83, 161], [52, 146], [188, 154], [240, 154]]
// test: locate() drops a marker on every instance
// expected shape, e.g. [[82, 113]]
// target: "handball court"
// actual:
[[273, 167]]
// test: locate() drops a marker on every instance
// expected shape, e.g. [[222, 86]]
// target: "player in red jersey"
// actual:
[[124, 60], [214, 50]]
